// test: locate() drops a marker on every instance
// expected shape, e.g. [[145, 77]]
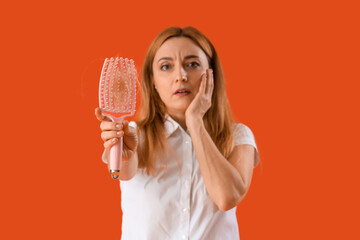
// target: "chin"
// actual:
[[178, 109]]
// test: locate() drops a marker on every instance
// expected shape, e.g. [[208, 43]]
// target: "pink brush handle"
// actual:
[[115, 158], [117, 148]]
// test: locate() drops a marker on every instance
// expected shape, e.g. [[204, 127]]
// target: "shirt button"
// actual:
[[183, 237], [187, 142], [185, 209]]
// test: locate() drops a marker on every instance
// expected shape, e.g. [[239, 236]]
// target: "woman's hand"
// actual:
[[202, 101], [111, 133]]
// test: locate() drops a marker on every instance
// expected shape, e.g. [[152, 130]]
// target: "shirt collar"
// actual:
[[170, 125]]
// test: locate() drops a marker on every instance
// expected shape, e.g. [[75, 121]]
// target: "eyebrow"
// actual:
[[187, 57]]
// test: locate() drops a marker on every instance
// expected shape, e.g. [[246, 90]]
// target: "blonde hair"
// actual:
[[218, 120]]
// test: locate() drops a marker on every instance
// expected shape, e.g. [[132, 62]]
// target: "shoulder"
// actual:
[[244, 135], [242, 131]]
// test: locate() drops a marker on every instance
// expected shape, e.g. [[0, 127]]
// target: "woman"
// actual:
[[186, 164]]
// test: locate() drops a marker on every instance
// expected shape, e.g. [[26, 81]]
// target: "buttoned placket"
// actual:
[[186, 187]]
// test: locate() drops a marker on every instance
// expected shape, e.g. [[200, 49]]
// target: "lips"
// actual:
[[182, 91]]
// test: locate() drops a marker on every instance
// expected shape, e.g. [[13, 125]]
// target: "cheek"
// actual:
[[197, 81], [163, 88]]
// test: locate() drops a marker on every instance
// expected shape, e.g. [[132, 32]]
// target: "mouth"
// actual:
[[182, 92]]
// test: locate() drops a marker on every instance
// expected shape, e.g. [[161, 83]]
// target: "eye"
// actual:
[[165, 67], [193, 64]]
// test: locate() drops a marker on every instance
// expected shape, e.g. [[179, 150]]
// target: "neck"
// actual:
[[179, 118]]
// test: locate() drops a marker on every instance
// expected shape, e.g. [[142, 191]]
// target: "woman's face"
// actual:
[[178, 64]]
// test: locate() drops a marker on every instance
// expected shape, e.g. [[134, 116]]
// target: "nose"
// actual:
[[181, 74]]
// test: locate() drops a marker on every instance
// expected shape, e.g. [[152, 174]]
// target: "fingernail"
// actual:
[[114, 140], [117, 126], [118, 133]]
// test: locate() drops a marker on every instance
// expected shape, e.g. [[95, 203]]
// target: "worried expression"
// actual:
[[177, 70]]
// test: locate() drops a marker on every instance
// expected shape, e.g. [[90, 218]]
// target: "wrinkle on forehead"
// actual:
[[178, 47]]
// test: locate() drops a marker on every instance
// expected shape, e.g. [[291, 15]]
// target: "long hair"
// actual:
[[218, 120]]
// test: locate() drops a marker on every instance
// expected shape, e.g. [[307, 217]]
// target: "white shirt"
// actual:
[[176, 205]]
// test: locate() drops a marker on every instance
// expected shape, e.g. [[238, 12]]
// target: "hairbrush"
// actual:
[[117, 100]]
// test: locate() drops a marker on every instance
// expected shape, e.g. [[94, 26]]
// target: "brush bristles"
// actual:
[[117, 90]]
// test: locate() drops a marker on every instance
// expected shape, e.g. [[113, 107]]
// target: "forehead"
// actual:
[[178, 46]]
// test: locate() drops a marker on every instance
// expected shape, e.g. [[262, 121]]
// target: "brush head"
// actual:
[[117, 88]]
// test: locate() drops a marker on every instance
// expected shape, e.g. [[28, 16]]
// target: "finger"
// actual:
[[110, 126], [207, 81], [106, 135], [98, 114], [111, 142], [203, 84], [128, 130], [211, 82]]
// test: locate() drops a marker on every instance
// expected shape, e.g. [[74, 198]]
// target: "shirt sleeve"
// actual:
[[243, 135]]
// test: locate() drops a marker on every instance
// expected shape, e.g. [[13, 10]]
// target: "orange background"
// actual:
[[292, 70]]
